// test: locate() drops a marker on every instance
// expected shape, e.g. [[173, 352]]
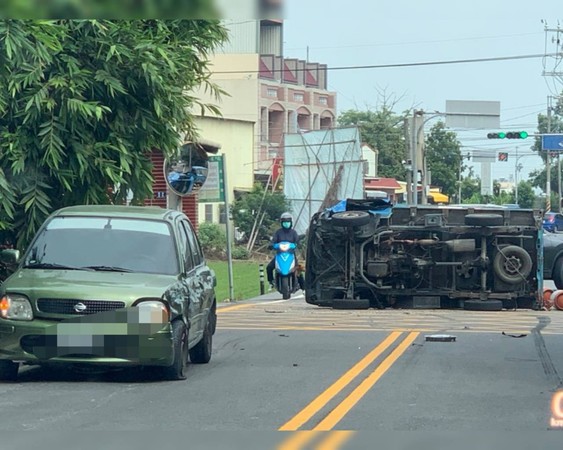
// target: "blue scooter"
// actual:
[[285, 275]]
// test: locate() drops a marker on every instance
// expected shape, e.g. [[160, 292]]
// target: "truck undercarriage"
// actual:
[[372, 255]]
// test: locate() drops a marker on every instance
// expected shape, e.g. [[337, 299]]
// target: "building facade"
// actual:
[[278, 94]]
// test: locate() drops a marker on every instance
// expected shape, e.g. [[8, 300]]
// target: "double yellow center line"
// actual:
[[340, 410]]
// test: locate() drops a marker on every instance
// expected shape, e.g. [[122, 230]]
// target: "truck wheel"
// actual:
[[285, 288], [482, 305], [484, 220], [351, 218], [557, 274], [8, 370], [512, 264]]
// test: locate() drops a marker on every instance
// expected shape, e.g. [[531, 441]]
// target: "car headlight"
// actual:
[[153, 311], [15, 307]]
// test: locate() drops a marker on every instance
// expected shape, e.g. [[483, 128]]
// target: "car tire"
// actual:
[[8, 370], [285, 288], [180, 343], [482, 305], [557, 274], [518, 259], [351, 218], [484, 220], [201, 353]]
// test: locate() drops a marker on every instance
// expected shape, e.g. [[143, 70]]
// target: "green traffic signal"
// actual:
[[509, 135]]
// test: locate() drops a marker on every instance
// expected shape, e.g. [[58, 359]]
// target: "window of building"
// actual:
[[323, 100], [298, 96], [272, 92], [208, 212]]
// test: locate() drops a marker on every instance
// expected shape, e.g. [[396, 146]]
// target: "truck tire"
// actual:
[[512, 264], [482, 305], [351, 218], [484, 220]]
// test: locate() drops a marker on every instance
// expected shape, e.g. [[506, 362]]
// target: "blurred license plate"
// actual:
[[69, 340]]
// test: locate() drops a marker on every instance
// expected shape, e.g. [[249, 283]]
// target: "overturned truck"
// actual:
[[367, 253]]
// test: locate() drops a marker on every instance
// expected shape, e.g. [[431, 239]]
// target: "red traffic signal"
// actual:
[[503, 156]]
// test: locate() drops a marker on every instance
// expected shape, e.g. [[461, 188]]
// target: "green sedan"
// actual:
[[109, 286]]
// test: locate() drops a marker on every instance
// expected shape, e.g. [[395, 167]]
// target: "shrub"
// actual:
[[240, 252], [212, 238]]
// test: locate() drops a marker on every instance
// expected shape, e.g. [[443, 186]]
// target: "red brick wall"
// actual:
[[189, 203]]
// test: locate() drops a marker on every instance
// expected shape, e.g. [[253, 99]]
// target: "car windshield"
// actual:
[[105, 244]]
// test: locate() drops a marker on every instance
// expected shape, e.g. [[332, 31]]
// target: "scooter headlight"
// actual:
[[284, 247]]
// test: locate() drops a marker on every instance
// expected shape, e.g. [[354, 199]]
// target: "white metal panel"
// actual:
[[271, 40], [243, 36], [311, 162]]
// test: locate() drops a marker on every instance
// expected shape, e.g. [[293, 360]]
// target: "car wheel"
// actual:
[[512, 264], [201, 353], [180, 342], [285, 288], [8, 370], [482, 305], [484, 220], [351, 218], [557, 275]]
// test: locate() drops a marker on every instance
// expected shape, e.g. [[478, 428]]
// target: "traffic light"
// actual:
[[509, 135], [503, 156]]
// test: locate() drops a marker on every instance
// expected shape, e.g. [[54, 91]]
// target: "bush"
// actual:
[[212, 238], [240, 252]]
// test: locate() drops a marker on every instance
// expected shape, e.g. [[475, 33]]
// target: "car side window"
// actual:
[[194, 244], [185, 247]]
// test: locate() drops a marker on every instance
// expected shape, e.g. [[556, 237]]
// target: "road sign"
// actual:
[[213, 190], [552, 142]]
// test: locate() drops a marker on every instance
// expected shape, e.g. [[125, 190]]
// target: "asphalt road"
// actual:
[[286, 365]]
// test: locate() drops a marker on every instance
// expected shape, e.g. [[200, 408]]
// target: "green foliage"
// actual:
[[526, 196], [471, 189], [212, 238], [81, 103], [383, 130], [98, 9], [240, 252], [246, 274], [259, 205], [444, 159]]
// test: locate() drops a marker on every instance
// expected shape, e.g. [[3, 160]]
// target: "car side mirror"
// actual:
[[9, 257]]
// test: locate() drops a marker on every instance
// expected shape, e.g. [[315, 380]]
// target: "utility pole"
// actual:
[[548, 162], [557, 58]]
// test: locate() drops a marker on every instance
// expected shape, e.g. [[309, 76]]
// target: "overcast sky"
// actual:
[[365, 32]]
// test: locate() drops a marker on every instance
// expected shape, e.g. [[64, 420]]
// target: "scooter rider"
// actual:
[[284, 234]]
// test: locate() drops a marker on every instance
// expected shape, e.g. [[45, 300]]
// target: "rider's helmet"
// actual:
[[286, 220]]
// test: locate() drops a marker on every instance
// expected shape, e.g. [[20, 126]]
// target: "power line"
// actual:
[[414, 64]]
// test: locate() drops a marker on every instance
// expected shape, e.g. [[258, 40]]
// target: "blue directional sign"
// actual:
[[552, 142]]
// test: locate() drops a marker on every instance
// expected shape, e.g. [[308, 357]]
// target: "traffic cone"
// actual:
[[557, 299]]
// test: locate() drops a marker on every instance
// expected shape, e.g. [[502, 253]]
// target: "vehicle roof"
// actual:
[[136, 212]]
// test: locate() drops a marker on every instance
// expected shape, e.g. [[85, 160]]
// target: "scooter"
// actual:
[[285, 276]]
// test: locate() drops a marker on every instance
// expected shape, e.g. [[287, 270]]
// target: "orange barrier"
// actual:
[[547, 302], [557, 299]]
